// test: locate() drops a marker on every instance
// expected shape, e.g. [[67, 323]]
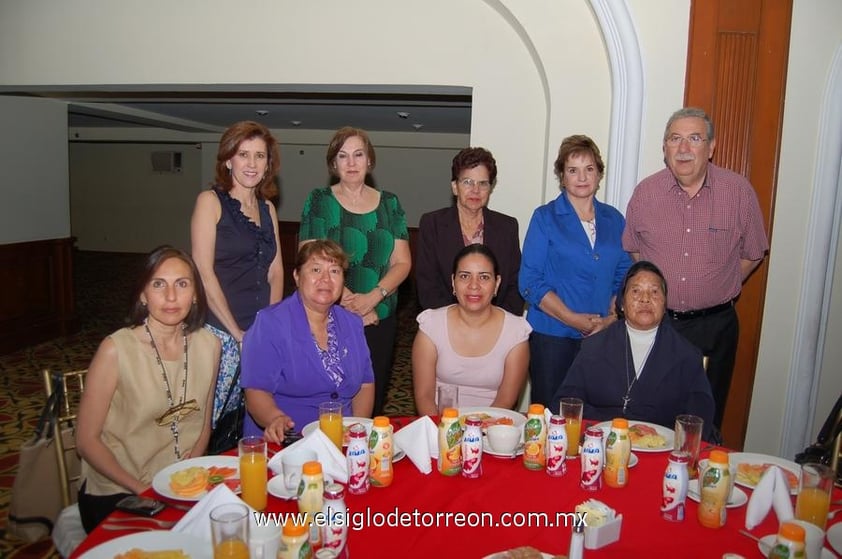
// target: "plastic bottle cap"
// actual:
[[620, 423], [719, 456], [450, 412], [381, 421], [293, 529], [311, 468], [536, 408], [792, 531], [334, 491]]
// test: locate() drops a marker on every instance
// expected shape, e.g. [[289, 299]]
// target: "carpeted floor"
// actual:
[[103, 282]]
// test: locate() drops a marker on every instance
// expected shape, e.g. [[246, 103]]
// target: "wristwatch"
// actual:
[[383, 292]]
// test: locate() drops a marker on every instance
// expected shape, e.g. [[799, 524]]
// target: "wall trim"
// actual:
[[627, 90], [819, 263]]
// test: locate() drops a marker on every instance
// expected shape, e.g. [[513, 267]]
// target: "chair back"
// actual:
[[72, 385]]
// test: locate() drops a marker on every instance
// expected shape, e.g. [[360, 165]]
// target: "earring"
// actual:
[[143, 303]]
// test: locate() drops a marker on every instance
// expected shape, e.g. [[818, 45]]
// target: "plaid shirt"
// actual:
[[697, 242]]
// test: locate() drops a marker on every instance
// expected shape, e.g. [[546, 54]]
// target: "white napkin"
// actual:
[[761, 498], [781, 501], [420, 441], [333, 462], [197, 520]]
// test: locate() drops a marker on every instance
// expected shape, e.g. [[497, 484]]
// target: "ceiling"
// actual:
[[386, 108]]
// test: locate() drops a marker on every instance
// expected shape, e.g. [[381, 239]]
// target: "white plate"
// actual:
[[157, 540], [738, 496], [502, 555], [517, 418], [834, 537], [736, 458], [346, 422], [766, 542], [486, 449], [161, 481], [668, 434]]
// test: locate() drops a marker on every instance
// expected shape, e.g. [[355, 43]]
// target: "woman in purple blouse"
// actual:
[[306, 350]]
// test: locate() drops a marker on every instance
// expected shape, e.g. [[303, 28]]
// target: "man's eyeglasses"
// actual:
[[468, 184], [695, 140]]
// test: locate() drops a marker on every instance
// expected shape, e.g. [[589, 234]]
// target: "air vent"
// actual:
[[166, 161]]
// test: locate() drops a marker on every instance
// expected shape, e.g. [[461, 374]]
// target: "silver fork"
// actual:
[[135, 519]]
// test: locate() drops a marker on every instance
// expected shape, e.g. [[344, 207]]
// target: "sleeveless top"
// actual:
[[140, 445], [478, 378], [242, 256], [368, 238]]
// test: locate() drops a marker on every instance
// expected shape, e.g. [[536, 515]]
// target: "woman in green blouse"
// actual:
[[370, 225]]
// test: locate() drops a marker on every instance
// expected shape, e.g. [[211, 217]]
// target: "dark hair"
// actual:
[[476, 248], [321, 247], [636, 268], [339, 138], [577, 145], [690, 112], [469, 158], [138, 311], [230, 142]]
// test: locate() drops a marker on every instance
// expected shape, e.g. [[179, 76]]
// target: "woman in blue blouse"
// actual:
[[572, 268], [234, 233]]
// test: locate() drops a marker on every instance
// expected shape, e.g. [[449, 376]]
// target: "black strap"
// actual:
[[231, 389], [52, 409]]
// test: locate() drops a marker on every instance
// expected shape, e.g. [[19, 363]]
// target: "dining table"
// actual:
[[508, 506]]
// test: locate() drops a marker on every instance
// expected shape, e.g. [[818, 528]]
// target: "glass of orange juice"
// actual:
[[571, 411], [330, 421], [813, 500], [253, 474], [230, 531]]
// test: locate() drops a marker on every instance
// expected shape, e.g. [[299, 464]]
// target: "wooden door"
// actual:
[[736, 71]]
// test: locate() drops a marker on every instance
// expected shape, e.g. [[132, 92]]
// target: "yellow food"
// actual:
[[644, 436], [750, 474], [487, 420], [141, 554], [189, 481]]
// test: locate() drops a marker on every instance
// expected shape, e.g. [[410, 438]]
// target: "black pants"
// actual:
[[716, 336], [381, 345], [549, 359], [95, 508]]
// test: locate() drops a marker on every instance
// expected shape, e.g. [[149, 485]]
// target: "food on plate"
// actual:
[[645, 436], [194, 480], [750, 474], [524, 553], [163, 554], [487, 420]]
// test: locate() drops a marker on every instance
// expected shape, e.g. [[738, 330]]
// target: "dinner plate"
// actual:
[[766, 542], [668, 434], [517, 418], [346, 422], [738, 496], [737, 458], [503, 555], [486, 449], [278, 488], [834, 537], [157, 540], [161, 481]]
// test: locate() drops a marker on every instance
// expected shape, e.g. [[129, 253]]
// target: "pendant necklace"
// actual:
[[629, 381], [175, 412]]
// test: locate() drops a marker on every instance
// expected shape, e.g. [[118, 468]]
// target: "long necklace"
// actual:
[[629, 381], [175, 412]]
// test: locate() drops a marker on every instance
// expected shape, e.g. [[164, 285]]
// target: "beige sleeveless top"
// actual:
[[139, 444]]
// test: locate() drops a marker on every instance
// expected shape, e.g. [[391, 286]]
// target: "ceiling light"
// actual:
[[403, 114], [262, 112], [418, 126], [295, 122]]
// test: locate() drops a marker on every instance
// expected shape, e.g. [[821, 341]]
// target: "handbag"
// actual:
[[229, 426], [36, 492]]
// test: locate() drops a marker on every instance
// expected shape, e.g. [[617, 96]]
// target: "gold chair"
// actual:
[[65, 443]]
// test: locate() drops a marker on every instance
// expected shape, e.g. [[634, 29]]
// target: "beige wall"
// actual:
[[538, 69]]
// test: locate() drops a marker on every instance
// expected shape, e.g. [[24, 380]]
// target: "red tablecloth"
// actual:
[[507, 487]]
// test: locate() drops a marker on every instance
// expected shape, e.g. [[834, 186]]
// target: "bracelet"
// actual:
[[383, 291]]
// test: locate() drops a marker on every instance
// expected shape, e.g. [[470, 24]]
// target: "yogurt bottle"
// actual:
[[382, 450], [295, 541], [556, 446], [676, 479], [472, 447], [789, 543], [714, 488], [450, 443], [617, 454], [593, 458], [534, 438], [358, 459]]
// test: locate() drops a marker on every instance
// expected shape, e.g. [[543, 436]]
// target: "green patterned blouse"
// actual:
[[369, 238]]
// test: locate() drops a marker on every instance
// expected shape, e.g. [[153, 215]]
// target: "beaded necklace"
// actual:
[[175, 412]]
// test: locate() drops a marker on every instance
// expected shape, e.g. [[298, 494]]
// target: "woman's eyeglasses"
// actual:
[[468, 184]]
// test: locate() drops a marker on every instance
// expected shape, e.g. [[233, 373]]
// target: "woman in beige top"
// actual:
[[149, 390]]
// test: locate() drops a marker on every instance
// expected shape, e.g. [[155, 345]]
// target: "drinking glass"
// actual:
[[688, 438], [253, 474], [813, 500], [448, 397], [571, 411], [330, 421], [230, 531]]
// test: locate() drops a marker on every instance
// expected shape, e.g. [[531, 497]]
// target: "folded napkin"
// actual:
[[772, 488], [333, 462], [420, 441], [197, 520]]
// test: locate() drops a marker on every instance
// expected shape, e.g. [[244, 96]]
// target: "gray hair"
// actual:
[[690, 112]]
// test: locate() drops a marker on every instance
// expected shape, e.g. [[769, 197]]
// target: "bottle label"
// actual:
[[556, 450], [534, 439], [472, 453]]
